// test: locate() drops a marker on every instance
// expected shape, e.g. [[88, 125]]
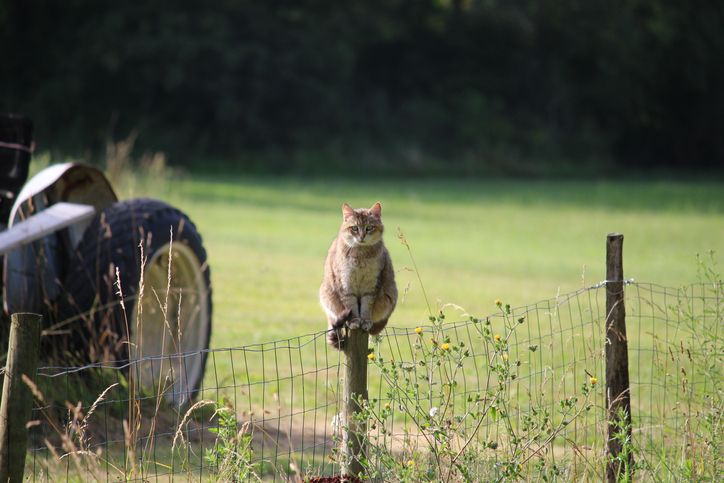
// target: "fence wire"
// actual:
[[273, 410]]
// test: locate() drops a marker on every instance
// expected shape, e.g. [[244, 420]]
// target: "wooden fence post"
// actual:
[[17, 399], [355, 430], [618, 395]]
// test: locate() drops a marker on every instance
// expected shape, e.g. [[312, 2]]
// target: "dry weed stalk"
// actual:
[[84, 424], [185, 419], [133, 174], [132, 425], [74, 430]]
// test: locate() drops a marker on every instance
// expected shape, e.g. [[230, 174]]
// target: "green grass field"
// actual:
[[473, 241]]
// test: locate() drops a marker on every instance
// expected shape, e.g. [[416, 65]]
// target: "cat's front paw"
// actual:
[[361, 324], [354, 323]]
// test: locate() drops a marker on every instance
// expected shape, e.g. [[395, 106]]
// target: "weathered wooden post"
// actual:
[[355, 430], [618, 395], [17, 399]]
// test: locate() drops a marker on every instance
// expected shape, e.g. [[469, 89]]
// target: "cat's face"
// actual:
[[362, 227]]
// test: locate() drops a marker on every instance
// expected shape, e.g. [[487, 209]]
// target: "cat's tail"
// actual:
[[336, 339], [335, 335]]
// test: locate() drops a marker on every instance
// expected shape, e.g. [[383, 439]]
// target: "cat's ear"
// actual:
[[347, 211], [376, 210]]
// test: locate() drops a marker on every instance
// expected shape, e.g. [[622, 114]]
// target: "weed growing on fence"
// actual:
[[232, 452], [696, 357], [623, 463], [444, 441]]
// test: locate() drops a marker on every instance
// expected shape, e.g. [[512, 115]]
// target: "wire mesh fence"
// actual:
[[467, 394], [677, 389]]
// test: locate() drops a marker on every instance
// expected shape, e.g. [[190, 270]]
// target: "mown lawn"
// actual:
[[473, 241]]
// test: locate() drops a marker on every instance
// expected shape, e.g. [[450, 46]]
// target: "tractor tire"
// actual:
[[116, 305]]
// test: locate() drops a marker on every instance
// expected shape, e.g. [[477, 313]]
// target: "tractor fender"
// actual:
[[32, 272]]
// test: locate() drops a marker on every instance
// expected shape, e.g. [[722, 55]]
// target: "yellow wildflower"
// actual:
[[594, 381], [498, 302], [418, 330], [445, 346], [371, 356], [496, 337]]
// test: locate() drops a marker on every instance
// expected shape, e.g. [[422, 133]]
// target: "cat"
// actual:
[[358, 290]]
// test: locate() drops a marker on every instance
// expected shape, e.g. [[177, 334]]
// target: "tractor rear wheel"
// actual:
[[138, 290]]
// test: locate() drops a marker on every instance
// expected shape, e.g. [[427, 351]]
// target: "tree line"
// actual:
[[462, 86]]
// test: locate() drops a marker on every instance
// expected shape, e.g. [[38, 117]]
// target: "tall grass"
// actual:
[[130, 174]]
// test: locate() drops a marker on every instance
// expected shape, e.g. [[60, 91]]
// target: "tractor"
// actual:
[[122, 284]]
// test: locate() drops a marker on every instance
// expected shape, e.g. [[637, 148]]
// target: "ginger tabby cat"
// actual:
[[358, 289]]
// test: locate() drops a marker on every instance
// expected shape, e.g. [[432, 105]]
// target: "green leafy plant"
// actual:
[[444, 441], [232, 452], [623, 463]]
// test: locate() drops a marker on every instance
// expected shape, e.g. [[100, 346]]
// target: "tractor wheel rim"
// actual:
[[170, 327]]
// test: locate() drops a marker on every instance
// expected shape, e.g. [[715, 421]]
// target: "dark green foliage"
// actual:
[[457, 86]]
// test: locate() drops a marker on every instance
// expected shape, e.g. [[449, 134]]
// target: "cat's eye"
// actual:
[[355, 229], [369, 228]]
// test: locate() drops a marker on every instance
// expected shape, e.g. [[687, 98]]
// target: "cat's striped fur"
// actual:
[[358, 289]]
